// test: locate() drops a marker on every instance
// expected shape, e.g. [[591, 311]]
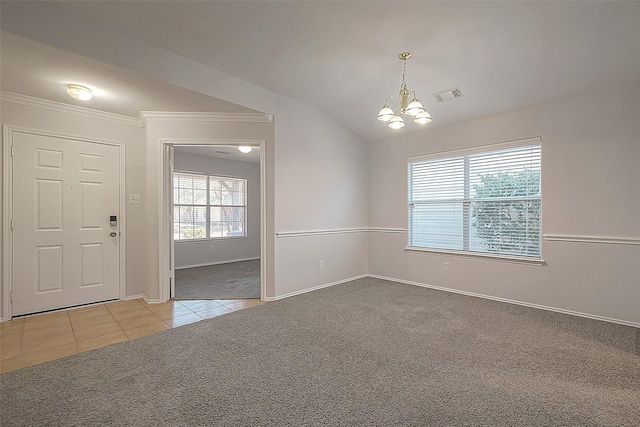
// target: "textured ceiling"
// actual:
[[341, 56], [34, 69]]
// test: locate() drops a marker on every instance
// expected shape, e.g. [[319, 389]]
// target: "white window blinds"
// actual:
[[189, 206], [228, 205], [208, 206], [488, 202]]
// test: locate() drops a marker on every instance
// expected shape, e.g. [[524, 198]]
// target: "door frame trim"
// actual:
[[8, 132], [165, 215]]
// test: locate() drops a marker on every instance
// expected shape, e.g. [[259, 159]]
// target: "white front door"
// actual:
[[65, 250]]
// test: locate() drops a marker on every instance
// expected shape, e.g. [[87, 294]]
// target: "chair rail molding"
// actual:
[[609, 240], [286, 234]]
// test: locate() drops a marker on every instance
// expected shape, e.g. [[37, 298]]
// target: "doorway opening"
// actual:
[[214, 205]]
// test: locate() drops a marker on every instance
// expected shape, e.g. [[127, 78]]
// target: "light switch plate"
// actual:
[[135, 198]]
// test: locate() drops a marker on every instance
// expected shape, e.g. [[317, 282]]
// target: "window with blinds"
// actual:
[[206, 206], [227, 206], [480, 201]]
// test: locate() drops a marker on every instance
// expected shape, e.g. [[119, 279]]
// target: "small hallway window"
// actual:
[[208, 206]]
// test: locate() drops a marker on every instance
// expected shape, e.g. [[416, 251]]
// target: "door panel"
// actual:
[[49, 268], [64, 191]]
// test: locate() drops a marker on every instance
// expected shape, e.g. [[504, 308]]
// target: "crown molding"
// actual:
[[60, 107], [141, 121], [147, 116]]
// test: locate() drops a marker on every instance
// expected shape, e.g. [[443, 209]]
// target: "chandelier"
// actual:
[[413, 108]]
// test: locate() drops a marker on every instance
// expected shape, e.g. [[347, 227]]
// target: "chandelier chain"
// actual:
[[404, 74]]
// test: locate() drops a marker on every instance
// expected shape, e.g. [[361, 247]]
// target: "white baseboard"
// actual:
[[315, 288], [144, 297], [510, 301], [149, 301], [215, 263]]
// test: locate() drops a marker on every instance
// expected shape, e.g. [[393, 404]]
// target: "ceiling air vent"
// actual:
[[448, 95], [228, 153]]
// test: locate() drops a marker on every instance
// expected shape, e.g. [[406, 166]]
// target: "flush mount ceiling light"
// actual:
[[79, 92], [245, 149], [413, 108]]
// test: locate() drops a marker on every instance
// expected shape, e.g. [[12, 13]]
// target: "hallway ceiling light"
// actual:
[[245, 149], [413, 108], [80, 93]]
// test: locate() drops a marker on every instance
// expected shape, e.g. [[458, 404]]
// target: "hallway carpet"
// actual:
[[234, 280]]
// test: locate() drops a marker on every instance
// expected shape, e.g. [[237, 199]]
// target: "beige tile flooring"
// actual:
[[40, 338]]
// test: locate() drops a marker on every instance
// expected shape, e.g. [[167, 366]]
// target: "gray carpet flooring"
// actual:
[[234, 280], [368, 352]]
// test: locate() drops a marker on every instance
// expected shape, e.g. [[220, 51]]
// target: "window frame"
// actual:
[[208, 206], [463, 153], [223, 206]]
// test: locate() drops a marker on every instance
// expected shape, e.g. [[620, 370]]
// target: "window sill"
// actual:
[[491, 257]]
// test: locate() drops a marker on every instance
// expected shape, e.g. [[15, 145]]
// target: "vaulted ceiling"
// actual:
[[341, 56]]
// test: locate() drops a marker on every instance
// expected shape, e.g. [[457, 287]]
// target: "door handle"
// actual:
[[113, 234]]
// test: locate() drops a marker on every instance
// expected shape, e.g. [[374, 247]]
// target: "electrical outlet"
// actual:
[[211, 248], [321, 264], [445, 266]]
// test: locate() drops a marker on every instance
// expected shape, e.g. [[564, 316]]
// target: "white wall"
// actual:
[[190, 253], [321, 185], [590, 187], [132, 136], [320, 168]]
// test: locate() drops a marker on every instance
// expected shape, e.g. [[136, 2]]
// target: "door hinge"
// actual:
[[11, 297], [12, 224], [12, 151]]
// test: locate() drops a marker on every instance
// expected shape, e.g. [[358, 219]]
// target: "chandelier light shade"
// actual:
[[396, 122], [407, 103], [423, 118], [386, 114]]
